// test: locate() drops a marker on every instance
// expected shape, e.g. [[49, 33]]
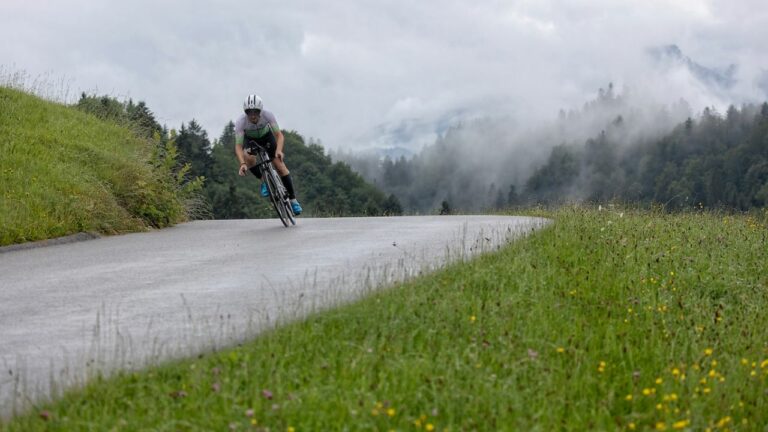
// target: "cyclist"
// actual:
[[259, 126]]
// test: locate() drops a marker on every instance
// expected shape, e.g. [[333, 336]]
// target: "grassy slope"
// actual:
[[65, 172], [603, 321]]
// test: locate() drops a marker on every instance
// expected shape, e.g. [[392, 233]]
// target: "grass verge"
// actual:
[[606, 320], [64, 172]]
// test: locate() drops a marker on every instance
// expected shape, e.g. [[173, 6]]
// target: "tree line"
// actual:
[[613, 148], [716, 160], [324, 187]]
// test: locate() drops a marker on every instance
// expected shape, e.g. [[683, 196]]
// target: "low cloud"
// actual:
[[368, 73]]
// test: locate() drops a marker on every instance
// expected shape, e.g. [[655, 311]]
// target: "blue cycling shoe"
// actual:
[[296, 206], [264, 190]]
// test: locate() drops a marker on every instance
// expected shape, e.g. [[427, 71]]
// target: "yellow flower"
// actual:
[[429, 427], [724, 421], [675, 372], [472, 318], [764, 364], [661, 426], [391, 412], [291, 429], [560, 350], [682, 424], [708, 352], [628, 397], [659, 380], [631, 426]]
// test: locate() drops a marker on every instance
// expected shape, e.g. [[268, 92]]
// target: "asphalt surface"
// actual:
[[69, 310]]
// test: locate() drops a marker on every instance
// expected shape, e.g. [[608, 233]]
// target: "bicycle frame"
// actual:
[[278, 195]]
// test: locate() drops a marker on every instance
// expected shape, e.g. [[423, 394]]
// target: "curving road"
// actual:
[[69, 310]]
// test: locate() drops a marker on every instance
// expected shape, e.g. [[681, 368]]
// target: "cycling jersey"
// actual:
[[267, 124]]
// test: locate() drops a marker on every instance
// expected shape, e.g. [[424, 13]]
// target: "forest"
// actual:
[[324, 187], [612, 149]]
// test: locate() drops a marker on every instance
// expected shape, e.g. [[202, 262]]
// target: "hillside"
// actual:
[[65, 171]]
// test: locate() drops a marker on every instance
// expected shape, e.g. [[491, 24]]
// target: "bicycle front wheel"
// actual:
[[275, 196]]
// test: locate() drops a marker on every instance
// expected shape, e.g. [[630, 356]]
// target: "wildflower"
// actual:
[[708, 352], [429, 427], [560, 350], [661, 426], [764, 364], [707, 390], [659, 380], [601, 367], [649, 391], [291, 429], [675, 372], [724, 421], [744, 361], [391, 412], [472, 319], [681, 424], [628, 397]]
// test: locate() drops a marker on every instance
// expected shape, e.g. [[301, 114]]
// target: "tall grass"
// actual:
[[63, 172], [606, 320]]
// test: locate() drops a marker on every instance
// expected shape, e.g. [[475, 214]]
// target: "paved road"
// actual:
[[69, 310]]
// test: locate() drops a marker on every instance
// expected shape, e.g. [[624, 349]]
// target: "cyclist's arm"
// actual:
[[280, 140], [275, 128], [239, 136]]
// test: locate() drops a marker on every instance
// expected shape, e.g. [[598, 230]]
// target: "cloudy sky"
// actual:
[[362, 73]]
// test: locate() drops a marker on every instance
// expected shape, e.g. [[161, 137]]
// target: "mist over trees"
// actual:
[[714, 161], [616, 147]]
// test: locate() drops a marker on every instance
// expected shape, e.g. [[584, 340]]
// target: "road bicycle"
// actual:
[[278, 195]]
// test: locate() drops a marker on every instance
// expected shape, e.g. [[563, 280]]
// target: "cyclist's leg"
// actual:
[[250, 162]]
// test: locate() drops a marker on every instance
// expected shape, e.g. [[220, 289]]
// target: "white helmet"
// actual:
[[253, 102]]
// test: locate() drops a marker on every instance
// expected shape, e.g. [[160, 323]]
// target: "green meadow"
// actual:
[[608, 319]]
